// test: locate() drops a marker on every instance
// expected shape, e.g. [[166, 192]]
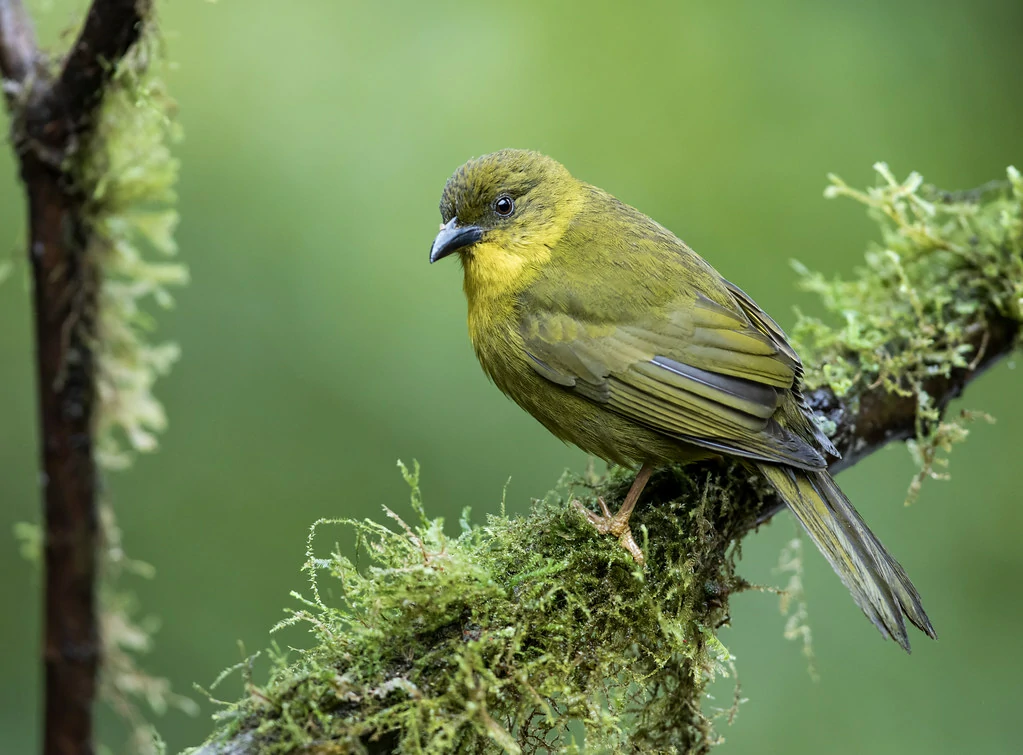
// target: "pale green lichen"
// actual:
[[127, 173], [793, 601], [945, 263]]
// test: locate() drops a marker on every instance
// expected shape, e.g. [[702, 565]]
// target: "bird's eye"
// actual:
[[504, 206]]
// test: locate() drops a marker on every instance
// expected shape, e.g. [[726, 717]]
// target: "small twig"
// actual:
[[17, 44], [980, 352], [975, 194], [411, 535]]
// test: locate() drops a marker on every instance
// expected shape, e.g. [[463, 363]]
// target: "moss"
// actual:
[[945, 263], [531, 634], [524, 633]]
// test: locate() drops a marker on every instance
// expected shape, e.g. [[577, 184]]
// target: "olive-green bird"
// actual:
[[622, 340]]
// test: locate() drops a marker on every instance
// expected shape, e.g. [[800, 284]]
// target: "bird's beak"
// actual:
[[451, 238]]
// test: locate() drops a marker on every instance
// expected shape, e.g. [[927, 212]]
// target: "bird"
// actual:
[[623, 341]]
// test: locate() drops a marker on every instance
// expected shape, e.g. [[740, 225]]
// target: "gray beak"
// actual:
[[451, 238]]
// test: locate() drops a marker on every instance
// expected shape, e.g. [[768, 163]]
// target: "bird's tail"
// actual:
[[876, 580]]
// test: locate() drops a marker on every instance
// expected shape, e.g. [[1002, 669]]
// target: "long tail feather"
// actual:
[[877, 582]]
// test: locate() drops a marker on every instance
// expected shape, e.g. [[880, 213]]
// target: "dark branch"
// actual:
[[65, 301], [110, 29], [51, 117]]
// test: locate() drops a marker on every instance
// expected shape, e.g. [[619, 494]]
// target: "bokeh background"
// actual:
[[319, 347]]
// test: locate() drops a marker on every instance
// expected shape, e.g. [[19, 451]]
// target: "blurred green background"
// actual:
[[319, 346]]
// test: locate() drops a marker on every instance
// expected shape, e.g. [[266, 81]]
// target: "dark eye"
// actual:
[[504, 206]]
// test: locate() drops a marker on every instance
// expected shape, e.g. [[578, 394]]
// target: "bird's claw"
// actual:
[[602, 523], [613, 524]]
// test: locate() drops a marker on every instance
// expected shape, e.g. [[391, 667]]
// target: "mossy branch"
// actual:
[[62, 134], [532, 634]]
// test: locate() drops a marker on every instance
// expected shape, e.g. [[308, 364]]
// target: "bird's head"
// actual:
[[503, 212]]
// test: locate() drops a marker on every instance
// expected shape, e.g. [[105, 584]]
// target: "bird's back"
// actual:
[[615, 264]]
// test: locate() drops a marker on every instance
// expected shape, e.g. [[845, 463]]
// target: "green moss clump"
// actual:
[[523, 635], [945, 264]]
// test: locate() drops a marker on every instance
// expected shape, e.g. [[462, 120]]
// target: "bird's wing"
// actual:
[[765, 324], [698, 371]]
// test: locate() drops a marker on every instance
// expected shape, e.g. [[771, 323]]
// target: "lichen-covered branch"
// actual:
[[871, 419], [520, 633], [53, 116], [880, 417]]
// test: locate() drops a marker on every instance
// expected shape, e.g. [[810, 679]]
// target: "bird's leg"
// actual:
[[618, 524]]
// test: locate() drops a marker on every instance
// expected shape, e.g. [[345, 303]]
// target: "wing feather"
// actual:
[[700, 372], [737, 393]]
